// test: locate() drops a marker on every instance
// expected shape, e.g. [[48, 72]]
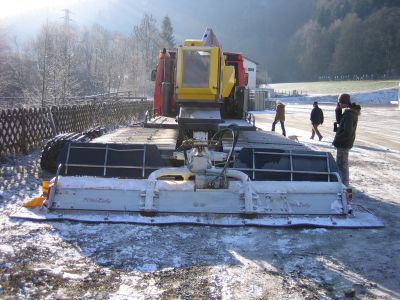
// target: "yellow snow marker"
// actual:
[[45, 187], [34, 202], [38, 201]]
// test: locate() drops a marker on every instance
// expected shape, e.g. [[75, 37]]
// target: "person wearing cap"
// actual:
[[345, 135], [280, 117], [317, 118]]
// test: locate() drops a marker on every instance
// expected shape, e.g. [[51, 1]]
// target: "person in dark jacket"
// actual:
[[345, 135], [317, 118], [280, 117]]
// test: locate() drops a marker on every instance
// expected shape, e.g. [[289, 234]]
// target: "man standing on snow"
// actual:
[[280, 117], [317, 118], [345, 135]]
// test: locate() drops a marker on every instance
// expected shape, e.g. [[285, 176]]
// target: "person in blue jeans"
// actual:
[[280, 117]]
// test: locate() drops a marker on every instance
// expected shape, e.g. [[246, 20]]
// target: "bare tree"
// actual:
[[54, 50], [8, 77], [26, 75], [147, 44], [63, 62]]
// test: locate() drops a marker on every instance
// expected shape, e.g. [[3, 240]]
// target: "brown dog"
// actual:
[[294, 138]]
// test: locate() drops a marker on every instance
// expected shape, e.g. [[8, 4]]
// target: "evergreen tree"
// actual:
[[349, 39], [167, 33]]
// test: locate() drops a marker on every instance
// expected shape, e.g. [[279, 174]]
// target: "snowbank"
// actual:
[[383, 96]]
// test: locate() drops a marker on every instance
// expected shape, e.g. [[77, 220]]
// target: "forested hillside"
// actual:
[[347, 39]]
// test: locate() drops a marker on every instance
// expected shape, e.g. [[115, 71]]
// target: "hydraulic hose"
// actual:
[[235, 137]]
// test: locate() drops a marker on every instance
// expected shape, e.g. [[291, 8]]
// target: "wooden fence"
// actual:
[[24, 129]]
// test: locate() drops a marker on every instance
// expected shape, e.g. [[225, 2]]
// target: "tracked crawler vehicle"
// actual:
[[198, 159]]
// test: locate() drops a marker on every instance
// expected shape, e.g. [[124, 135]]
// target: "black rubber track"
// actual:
[[53, 147]]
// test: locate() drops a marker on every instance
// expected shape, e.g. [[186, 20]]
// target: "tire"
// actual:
[[54, 146], [51, 150]]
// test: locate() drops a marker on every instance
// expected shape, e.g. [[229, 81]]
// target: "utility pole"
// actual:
[[66, 17], [44, 63], [66, 57]]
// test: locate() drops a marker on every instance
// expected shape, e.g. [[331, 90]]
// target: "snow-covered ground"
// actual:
[[61, 260], [383, 96]]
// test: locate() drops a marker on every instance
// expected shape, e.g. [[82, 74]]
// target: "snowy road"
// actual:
[[81, 261]]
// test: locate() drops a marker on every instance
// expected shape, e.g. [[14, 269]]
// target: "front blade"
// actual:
[[359, 219]]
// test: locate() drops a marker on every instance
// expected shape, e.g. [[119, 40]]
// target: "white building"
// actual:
[[250, 67]]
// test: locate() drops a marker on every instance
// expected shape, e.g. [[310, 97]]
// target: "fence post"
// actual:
[[2, 117], [55, 118], [23, 140], [51, 119]]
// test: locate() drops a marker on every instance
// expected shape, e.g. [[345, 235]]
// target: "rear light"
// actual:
[[45, 188], [161, 56]]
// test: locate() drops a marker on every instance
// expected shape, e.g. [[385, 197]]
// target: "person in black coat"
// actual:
[[317, 118], [345, 135]]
